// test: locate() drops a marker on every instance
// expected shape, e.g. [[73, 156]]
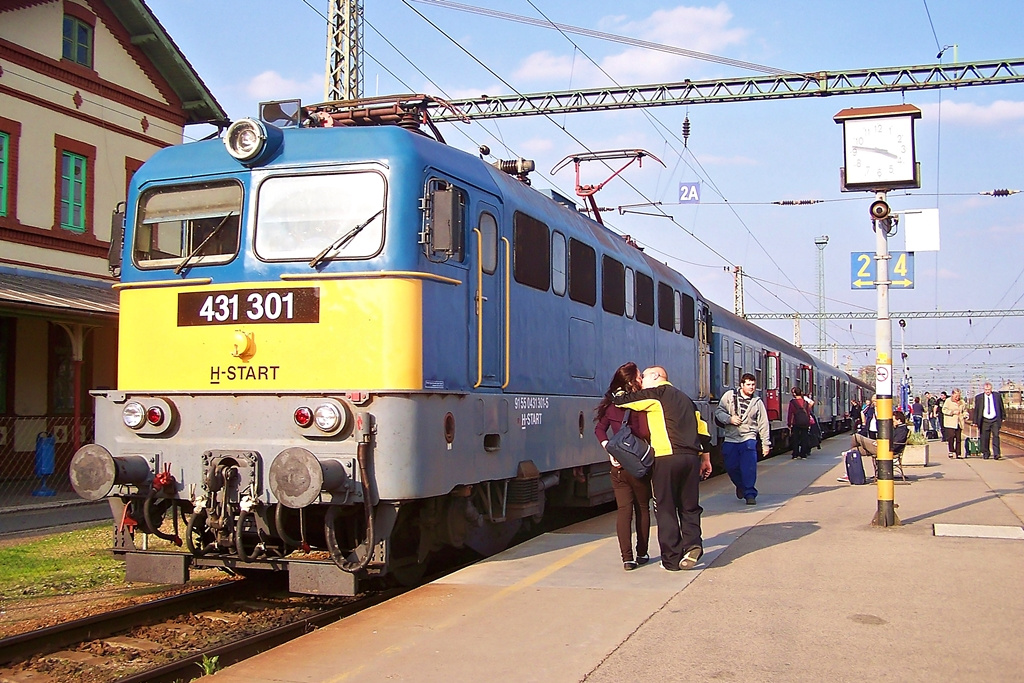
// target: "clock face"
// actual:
[[879, 150]]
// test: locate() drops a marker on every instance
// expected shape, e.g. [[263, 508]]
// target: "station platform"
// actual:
[[799, 587]]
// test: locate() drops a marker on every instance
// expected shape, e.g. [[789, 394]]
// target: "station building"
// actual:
[[89, 89]]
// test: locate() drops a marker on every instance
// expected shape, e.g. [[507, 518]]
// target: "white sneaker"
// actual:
[[843, 478]]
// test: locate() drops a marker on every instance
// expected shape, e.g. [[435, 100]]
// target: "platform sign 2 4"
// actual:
[[863, 272]]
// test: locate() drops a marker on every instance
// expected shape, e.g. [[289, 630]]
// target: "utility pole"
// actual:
[[737, 290], [820, 242], [344, 75]]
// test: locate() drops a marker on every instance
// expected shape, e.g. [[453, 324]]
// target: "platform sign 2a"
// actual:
[[863, 272], [689, 193]]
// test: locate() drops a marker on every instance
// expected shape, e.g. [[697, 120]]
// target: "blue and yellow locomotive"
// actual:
[[345, 347]]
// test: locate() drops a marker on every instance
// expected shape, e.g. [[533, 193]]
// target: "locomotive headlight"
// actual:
[[327, 416], [303, 417], [251, 141], [133, 415], [245, 139]]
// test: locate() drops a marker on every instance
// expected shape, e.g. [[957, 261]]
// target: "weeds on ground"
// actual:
[[209, 665], [60, 564]]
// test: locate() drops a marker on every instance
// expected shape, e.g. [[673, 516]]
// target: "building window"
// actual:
[[5, 146], [73, 171], [74, 187], [77, 41]]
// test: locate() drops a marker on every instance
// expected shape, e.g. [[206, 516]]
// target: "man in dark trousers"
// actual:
[[682, 457], [988, 415]]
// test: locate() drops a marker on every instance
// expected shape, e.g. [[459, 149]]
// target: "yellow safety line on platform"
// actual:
[[526, 582]]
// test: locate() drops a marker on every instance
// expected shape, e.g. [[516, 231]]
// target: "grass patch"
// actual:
[[60, 564]]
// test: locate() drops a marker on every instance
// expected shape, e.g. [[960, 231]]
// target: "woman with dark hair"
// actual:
[[632, 495], [799, 421]]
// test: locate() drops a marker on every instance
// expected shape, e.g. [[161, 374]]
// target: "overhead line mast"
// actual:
[[344, 75], [741, 89]]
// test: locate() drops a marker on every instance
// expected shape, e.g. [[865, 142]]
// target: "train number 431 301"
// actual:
[[293, 305]]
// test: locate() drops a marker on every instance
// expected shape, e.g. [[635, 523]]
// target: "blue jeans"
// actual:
[[917, 423], [741, 464]]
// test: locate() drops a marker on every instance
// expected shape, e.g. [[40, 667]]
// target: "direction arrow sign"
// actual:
[[863, 272]]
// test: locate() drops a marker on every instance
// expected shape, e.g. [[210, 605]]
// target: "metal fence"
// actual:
[[35, 453]]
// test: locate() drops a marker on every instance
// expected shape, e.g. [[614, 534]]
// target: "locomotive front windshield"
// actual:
[[197, 224], [299, 217]]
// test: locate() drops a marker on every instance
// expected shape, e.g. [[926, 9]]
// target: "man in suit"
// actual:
[[988, 415]]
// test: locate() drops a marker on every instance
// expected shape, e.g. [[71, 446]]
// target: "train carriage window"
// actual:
[[200, 219], [532, 252], [773, 372], [298, 217], [558, 263], [689, 321], [666, 307], [644, 299], [582, 272], [613, 286], [758, 372], [737, 363], [630, 293], [488, 243], [725, 361]]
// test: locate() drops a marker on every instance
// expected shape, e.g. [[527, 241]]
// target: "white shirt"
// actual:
[[990, 408]]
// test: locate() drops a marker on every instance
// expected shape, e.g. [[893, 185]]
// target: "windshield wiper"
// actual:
[[342, 241], [192, 254]]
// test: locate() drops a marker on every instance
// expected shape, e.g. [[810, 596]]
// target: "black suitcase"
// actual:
[[931, 435], [855, 468]]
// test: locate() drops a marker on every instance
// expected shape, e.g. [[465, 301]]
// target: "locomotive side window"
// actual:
[[532, 252], [689, 322], [630, 293], [582, 273], [337, 216], [678, 324], [613, 286], [558, 263], [644, 299], [488, 243], [666, 307], [200, 221]]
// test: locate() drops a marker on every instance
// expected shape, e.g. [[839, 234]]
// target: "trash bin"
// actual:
[[46, 456]]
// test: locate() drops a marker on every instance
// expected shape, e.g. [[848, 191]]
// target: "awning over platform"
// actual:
[[56, 296]]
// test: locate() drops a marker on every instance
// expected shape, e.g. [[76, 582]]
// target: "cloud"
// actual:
[[701, 29], [971, 114], [736, 160], [947, 274], [271, 85]]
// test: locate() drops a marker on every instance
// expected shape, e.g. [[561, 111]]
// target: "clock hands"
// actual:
[[877, 150]]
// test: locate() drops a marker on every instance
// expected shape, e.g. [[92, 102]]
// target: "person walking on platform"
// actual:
[[682, 457], [870, 422], [799, 421], [917, 411], [632, 495], [744, 418], [954, 415], [988, 415]]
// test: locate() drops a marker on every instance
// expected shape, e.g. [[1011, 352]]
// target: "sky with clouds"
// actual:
[[746, 155]]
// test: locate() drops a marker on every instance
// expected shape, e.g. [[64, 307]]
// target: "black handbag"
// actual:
[[634, 454]]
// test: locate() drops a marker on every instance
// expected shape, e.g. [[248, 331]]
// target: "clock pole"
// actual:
[[885, 516], [878, 156]]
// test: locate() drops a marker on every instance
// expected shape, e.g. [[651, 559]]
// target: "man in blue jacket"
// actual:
[[682, 457]]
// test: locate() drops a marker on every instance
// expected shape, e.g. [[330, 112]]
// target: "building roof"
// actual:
[[149, 36], [56, 296]]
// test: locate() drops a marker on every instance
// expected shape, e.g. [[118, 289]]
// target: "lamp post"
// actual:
[[878, 156]]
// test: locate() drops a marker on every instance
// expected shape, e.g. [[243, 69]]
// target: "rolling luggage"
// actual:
[[931, 435], [855, 468], [972, 445]]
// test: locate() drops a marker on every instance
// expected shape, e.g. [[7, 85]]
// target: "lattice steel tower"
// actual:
[[344, 76], [820, 242]]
